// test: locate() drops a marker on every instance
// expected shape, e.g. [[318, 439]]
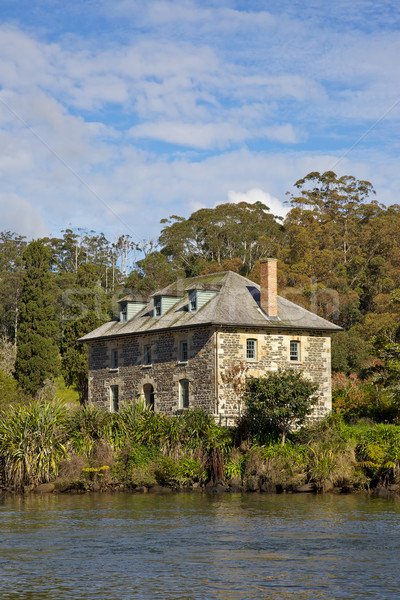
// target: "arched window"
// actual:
[[148, 392]]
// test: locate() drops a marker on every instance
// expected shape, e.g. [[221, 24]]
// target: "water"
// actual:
[[195, 547]]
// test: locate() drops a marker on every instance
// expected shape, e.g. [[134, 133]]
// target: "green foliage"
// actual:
[[350, 352], [235, 464], [228, 231], [85, 310], [10, 392], [37, 353], [153, 272], [378, 452], [386, 374], [350, 396], [278, 402], [135, 464], [12, 246], [85, 426], [32, 443]]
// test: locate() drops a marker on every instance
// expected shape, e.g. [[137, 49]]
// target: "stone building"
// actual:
[[177, 350]]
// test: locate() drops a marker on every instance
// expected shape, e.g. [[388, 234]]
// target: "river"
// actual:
[[198, 547]]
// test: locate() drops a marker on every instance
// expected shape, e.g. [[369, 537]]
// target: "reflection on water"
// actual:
[[193, 546]]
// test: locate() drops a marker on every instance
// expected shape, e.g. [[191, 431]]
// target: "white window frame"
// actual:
[[294, 351], [251, 354], [114, 398], [184, 393]]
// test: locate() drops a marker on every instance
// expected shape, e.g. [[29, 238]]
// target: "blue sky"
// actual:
[[114, 115]]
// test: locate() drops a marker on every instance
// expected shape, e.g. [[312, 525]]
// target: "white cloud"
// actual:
[[257, 195], [202, 76]]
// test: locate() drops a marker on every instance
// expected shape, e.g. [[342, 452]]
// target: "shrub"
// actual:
[[349, 396], [10, 392], [378, 452], [32, 443], [86, 425]]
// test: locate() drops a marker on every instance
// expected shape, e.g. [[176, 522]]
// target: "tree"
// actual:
[[85, 310], [279, 402], [11, 272], [330, 239], [153, 272], [228, 231], [37, 352]]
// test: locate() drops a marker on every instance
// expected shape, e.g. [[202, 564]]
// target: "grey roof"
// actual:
[[236, 304]]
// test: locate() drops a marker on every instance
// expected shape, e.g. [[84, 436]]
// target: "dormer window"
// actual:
[[129, 306], [193, 301], [200, 296], [162, 303], [157, 306], [124, 312]]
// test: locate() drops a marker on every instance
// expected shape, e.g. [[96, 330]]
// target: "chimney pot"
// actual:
[[269, 286]]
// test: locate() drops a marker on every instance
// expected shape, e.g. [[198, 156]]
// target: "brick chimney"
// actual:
[[269, 286]]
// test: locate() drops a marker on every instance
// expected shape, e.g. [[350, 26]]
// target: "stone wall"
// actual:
[[163, 373], [166, 369], [273, 353]]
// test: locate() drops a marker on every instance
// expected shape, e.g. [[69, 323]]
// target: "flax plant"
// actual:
[[86, 426], [32, 443]]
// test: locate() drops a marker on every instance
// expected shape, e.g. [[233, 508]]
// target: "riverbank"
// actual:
[[48, 449]]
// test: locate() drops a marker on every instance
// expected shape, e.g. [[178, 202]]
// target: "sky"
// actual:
[[115, 115]]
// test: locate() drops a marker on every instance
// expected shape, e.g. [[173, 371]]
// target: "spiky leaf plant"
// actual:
[[32, 443]]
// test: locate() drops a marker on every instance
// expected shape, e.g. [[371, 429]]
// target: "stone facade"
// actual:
[[211, 352], [177, 350], [272, 354], [163, 374]]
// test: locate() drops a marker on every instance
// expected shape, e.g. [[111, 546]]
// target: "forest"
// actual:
[[338, 253]]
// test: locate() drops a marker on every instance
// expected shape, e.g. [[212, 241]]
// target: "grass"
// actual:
[[66, 394]]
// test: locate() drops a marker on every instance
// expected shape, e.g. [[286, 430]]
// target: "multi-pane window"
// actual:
[[251, 349], [147, 354], [124, 313], [114, 398], [184, 393], [183, 354], [157, 306], [193, 301], [294, 350], [114, 359]]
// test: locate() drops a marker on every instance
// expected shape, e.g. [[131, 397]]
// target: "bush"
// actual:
[[378, 452], [10, 392], [350, 397], [278, 403], [32, 443]]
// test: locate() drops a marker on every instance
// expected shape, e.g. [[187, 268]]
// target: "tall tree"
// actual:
[[11, 271], [228, 231], [37, 351], [84, 311]]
